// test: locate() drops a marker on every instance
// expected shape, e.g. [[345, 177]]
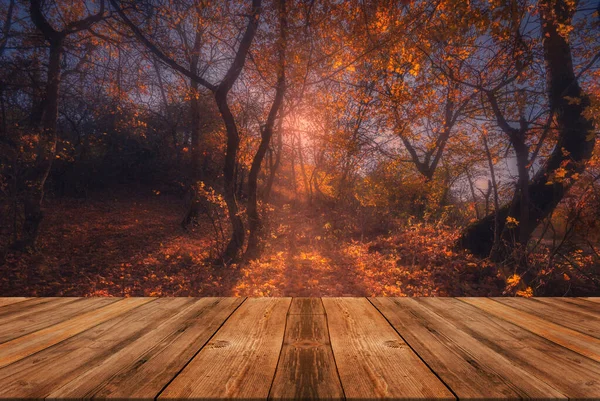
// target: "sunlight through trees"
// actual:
[[400, 144]]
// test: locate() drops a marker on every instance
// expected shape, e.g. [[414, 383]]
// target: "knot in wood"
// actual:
[[393, 344], [304, 344], [218, 344]]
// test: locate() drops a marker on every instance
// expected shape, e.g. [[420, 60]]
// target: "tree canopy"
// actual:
[[481, 116]]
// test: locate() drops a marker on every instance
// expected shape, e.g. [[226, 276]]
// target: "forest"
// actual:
[[299, 148]]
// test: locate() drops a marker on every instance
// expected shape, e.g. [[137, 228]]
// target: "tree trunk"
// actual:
[[472, 188], [236, 241], [573, 148], [487, 195], [293, 168], [196, 150], [239, 178], [277, 162], [303, 170], [522, 153], [220, 92], [35, 178], [195, 169], [254, 222]]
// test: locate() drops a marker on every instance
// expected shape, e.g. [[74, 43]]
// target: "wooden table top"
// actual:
[[300, 348]]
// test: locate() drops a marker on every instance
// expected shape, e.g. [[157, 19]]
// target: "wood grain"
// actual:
[[48, 314], [586, 323], [301, 348], [581, 304], [593, 299], [144, 367], [572, 374], [24, 346], [560, 305], [22, 307], [306, 369], [11, 300], [373, 361], [20, 313], [240, 360], [45, 372], [574, 340], [306, 306], [467, 366]]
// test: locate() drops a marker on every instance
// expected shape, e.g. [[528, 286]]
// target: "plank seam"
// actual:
[[27, 313], [280, 349], [493, 316], [200, 349], [127, 341], [414, 351], [76, 334], [585, 301], [500, 352], [14, 303], [4, 314], [579, 330], [331, 348], [60, 321], [565, 305]]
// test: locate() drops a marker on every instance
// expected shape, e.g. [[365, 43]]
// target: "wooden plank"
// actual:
[[240, 360], [467, 366], [306, 306], [572, 374], [21, 347], [144, 367], [45, 372], [585, 323], [19, 307], [11, 300], [306, 369], [593, 299], [574, 340], [580, 304], [565, 306], [33, 319], [372, 359], [19, 314]]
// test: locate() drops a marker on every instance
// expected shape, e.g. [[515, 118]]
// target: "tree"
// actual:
[[220, 92], [574, 143], [36, 176], [266, 135]]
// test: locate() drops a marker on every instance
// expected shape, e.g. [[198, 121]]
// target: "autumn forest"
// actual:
[[299, 148]]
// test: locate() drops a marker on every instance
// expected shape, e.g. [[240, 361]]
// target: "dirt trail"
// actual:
[[329, 268], [303, 258], [130, 246]]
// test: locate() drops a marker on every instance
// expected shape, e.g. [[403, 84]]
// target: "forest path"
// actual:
[[133, 245], [303, 256]]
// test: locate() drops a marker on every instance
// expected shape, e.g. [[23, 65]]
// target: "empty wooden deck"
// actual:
[[300, 348]]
